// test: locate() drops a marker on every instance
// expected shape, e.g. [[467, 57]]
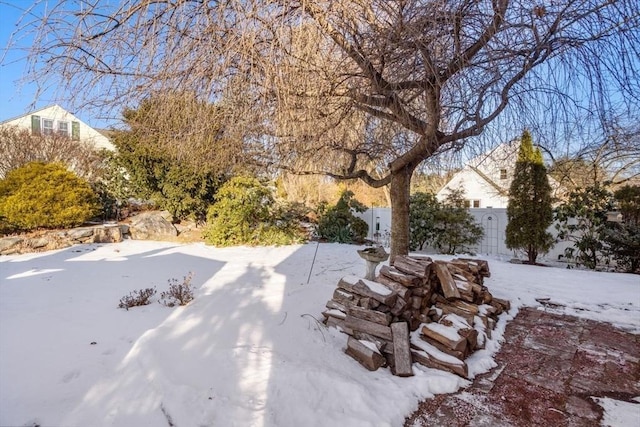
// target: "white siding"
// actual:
[[58, 114], [475, 188]]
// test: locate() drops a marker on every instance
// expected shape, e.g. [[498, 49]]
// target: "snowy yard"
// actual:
[[248, 351]]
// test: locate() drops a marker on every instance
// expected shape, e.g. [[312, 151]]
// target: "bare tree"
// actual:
[[611, 160], [311, 81], [19, 147]]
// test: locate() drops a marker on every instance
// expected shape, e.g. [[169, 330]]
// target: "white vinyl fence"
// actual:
[[492, 220]]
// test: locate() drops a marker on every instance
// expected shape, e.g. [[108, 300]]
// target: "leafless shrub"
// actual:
[[178, 293], [19, 147], [137, 298]]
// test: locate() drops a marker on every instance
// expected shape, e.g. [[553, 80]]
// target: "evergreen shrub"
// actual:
[[339, 224], [41, 195], [246, 213]]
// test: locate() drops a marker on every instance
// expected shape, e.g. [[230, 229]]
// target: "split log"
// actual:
[[429, 356], [466, 296], [485, 296], [443, 348], [367, 356], [370, 315], [445, 335], [383, 308], [455, 269], [368, 327], [422, 259], [368, 303], [422, 291], [334, 305], [344, 297], [382, 345], [487, 309], [334, 313], [409, 266], [427, 360], [423, 318], [396, 275], [463, 285], [450, 309], [469, 308], [401, 350], [448, 285], [398, 288], [483, 265], [477, 289], [334, 322], [379, 315], [505, 304], [368, 288], [472, 338], [415, 322], [399, 306]]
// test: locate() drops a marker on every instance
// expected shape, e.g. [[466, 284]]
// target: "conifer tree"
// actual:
[[529, 212]]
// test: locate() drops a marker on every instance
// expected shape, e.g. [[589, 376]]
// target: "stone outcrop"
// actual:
[[152, 225], [57, 239]]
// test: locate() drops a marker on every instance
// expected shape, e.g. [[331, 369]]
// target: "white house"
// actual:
[[486, 179], [55, 119]]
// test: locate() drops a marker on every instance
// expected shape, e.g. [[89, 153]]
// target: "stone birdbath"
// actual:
[[373, 257]]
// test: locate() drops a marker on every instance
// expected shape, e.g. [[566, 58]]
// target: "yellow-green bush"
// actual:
[[41, 195], [245, 213]]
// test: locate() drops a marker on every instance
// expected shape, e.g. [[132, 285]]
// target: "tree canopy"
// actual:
[[353, 89], [175, 153]]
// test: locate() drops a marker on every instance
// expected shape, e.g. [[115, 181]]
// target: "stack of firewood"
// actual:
[[435, 313]]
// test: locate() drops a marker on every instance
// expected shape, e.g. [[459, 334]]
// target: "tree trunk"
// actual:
[[532, 254], [400, 192]]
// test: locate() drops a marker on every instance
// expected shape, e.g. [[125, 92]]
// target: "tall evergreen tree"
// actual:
[[529, 212]]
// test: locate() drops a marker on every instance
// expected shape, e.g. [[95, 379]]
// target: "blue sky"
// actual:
[[13, 101], [18, 98]]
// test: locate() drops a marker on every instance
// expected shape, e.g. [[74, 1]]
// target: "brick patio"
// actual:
[[548, 368]]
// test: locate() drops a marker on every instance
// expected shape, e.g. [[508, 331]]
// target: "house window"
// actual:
[[476, 203], [47, 126], [63, 128], [467, 204], [503, 174]]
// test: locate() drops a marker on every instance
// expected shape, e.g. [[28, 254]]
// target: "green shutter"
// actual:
[[75, 130], [35, 125]]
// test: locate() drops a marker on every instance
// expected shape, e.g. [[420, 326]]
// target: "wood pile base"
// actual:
[[435, 313]]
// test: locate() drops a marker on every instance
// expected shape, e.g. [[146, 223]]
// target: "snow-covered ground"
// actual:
[[248, 351]]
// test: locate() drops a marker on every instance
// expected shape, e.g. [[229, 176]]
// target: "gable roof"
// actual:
[[32, 113], [488, 166]]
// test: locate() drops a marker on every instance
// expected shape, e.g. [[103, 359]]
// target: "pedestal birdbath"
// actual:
[[373, 257]]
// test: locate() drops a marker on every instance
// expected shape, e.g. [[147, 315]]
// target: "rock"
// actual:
[[80, 234], [124, 229], [166, 215], [39, 242], [107, 234], [151, 226], [9, 244], [185, 226]]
